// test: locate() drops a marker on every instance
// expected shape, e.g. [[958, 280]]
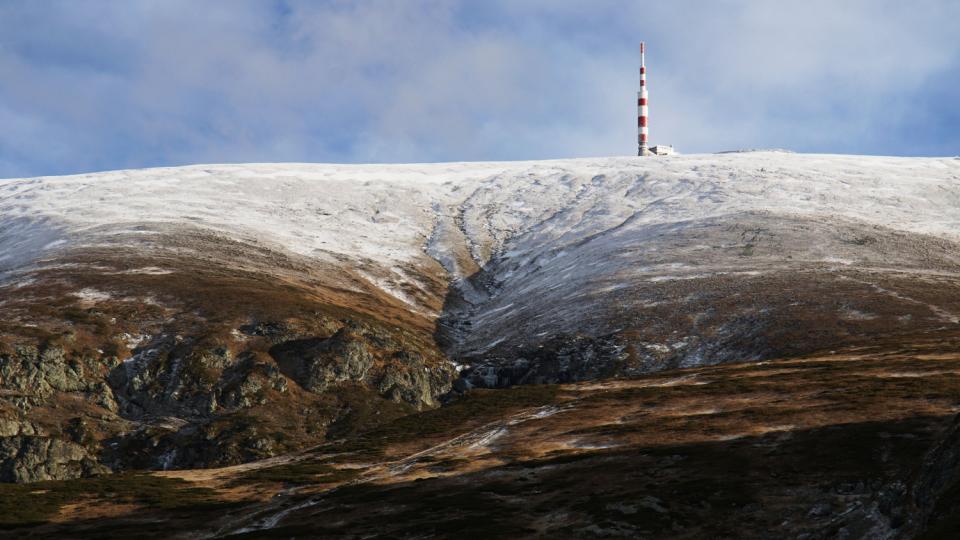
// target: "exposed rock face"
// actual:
[[407, 377], [33, 375], [11, 427], [31, 458], [247, 384], [559, 360], [171, 443], [209, 399], [320, 363], [31, 380], [362, 354], [195, 393], [174, 376], [186, 402]]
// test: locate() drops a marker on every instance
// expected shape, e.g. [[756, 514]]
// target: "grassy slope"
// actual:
[[722, 451]]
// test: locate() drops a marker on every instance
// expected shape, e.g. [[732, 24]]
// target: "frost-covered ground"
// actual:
[[596, 246], [388, 212]]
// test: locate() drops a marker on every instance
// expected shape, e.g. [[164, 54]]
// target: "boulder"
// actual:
[[31, 459]]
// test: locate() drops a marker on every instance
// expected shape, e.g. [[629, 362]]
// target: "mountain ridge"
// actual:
[[178, 319]]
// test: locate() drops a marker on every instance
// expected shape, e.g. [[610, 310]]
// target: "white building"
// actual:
[[662, 150]]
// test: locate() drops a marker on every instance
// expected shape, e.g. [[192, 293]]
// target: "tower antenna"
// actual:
[[642, 106]]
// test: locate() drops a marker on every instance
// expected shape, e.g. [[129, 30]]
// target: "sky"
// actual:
[[89, 85]]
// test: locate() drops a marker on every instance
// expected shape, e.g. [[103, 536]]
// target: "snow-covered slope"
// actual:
[[589, 246], [388, 212]]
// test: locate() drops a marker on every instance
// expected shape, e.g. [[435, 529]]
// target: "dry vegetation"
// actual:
[[784, 447]]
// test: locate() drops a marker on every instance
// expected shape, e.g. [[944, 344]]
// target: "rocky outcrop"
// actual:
[[247, 382], [318, 364], [12, 427], [31, 378], [172, 443], [172, 375], [213, 396], [359, 353], [406, 378], [31, 375], [564, 359], [33, 458]]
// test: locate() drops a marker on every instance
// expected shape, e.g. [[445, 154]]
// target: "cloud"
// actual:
[[98, 85]]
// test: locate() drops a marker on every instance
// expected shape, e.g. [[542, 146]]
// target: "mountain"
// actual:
[[352, 329]]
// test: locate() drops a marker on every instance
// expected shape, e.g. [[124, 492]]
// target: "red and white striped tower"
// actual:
[[642, 106]]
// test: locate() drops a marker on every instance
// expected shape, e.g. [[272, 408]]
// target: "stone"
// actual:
[[32, 459]]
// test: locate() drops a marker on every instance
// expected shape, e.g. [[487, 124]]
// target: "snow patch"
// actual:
[[486, 439], [147, 271], [392, 288], [91, 295]]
